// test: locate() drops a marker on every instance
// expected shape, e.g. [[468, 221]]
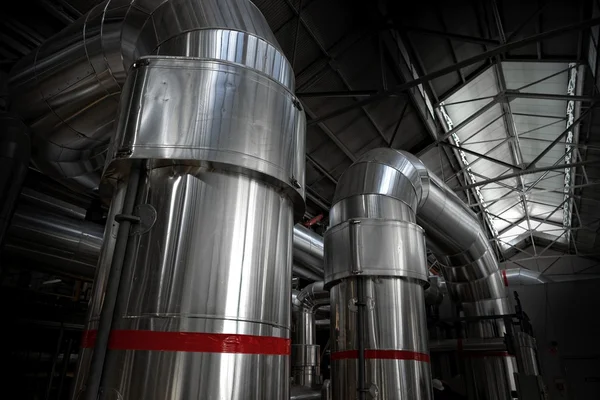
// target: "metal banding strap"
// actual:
[[381, 355], [193, 342]]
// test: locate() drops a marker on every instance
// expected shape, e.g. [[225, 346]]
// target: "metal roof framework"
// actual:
[[518, 157], [514, 130]]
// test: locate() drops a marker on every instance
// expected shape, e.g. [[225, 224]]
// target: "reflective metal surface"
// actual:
[[100, 281], [51, 204], [188, 278], [524, 276], [306, 370], [308, 249], [527, 357], [492, 377], [68, 89], [378, 247], [376, 268], [303, 393], [454, 234], [241, 112], [395, 321], [14, 161], [64, 245]]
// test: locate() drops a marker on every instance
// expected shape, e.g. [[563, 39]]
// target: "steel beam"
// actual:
[[528, 171], [341, 93], [451, 36], [561, 136], [470, 119], [476, 154], [547, 96], [465, 63]]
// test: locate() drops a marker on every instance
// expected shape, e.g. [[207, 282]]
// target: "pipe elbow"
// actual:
[[386, 172], [311, 297]]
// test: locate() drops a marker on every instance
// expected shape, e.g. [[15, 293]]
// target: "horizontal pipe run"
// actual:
[[474, 344]]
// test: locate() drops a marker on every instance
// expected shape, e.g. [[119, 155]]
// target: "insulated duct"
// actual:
[[14, 161], [308, 249], [55, 242], [305, 351], [376, 270], [377, 202], [208, 120], [68, 89]]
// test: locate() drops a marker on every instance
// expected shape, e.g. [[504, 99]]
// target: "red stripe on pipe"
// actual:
[[504, 278], [88, 339], [193, 342], [381, 355], [479, 354]]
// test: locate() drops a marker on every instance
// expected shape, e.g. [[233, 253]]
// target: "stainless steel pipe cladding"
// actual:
[[454, 234], [68, 89], [306, 362], [375, 260], [207, 314]]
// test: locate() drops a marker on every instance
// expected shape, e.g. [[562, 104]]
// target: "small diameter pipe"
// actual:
[[112, 287], [360, 318]]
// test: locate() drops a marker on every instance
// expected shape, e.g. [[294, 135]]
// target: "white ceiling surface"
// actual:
[[537, 123]]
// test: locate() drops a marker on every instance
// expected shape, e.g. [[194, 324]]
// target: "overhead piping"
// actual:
[[68, 89], [54, 242]]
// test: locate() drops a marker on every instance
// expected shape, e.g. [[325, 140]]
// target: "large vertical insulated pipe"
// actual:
[[376, 269], [387, 185], [222, 135], [205, 97]]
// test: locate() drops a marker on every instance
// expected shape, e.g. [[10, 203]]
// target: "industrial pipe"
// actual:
[[68, 89], [308, 249], [376, 269], [205, 101], [55, 242], [480, 346], [523, 276], [305, 351], [373, 230], [14, 161]]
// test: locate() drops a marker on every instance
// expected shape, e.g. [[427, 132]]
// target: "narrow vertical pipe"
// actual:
[[360, 331], [112, 287]]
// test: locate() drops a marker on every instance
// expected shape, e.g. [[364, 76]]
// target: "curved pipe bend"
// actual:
[[453, 232], [310, 298], [68, 89]]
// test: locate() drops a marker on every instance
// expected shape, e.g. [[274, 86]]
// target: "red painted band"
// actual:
[[193, 342], [381, 355], [88, 339], [504, 278], [479, 354]]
